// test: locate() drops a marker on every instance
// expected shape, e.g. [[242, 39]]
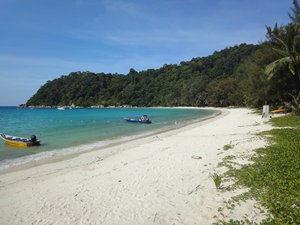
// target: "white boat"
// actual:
[[61, 108]]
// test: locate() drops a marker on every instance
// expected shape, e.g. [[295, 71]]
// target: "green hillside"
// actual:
[[192, 83]]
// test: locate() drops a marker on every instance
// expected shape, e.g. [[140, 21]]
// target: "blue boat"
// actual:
[[139, 118]]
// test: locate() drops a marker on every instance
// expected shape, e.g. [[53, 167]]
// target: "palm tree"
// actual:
[[289, 43], [285, 40]]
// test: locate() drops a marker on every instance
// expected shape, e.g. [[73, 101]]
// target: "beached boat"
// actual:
[[279, 111], [20, 142], [140, 118]]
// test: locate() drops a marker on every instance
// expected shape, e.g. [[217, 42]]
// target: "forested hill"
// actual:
[[220, 79]]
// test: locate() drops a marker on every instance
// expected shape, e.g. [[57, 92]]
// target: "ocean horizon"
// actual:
[[70, 131]]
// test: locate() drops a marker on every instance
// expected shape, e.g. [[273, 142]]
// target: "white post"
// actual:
[[266, 110]]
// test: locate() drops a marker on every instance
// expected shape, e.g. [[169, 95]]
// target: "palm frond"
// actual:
[[296, 59], [295, 103], [292, 68], [280, 52], [296, 42], [282, 43], [295, 14], [275, 66]]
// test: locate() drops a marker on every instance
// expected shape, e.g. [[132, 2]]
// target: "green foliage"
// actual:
[[295, 104], [286, 121], [256, 86], [224, 92], [227, 147], [80, 88], [217, 180], [202, 81], [231, 77], [285, 41], [228, 162], [234, 222], [274, 178]]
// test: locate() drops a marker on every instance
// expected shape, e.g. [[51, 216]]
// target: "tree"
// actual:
[[288, 40], [170, 85], [285, 41]]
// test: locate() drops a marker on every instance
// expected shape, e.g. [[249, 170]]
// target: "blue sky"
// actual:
[[43, 39]]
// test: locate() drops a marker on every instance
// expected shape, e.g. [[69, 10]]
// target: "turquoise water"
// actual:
[[62, 129]]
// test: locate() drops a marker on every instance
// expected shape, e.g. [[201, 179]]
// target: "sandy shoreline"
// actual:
[[152, 180]]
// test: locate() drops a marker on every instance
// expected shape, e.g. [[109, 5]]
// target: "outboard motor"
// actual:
[[33, 138]]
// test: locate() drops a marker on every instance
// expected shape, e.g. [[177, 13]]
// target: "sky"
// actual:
[[41, 40]]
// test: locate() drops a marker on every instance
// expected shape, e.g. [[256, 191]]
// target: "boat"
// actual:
[[20, 142], [279, 111], [139, 118], [61, 108]]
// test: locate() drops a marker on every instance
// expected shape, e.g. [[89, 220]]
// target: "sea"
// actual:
[[76, 130]]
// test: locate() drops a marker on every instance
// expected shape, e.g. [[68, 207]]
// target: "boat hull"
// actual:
[[18, 142], [138, 121], [141, 118]]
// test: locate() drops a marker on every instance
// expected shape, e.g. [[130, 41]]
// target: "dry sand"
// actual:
[[160, 179]]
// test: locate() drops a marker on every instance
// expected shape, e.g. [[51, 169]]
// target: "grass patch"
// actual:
[[227, 162], [227, 147], [217, 180], [286, 121], [274, 178], [235, 222]]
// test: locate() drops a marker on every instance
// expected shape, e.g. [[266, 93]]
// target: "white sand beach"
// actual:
[[160, 179]]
